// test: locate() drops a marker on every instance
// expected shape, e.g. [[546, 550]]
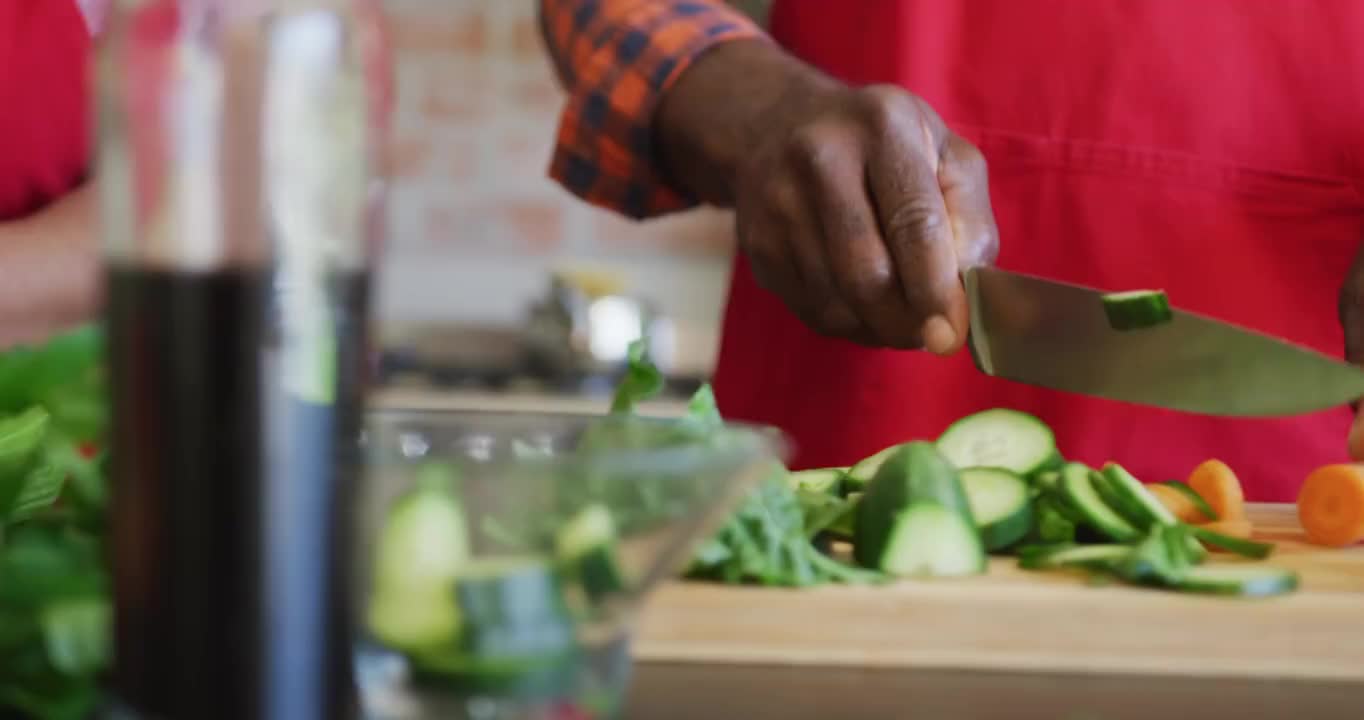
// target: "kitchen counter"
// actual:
[[683, 691]]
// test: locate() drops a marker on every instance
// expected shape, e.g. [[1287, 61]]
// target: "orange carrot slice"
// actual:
[[1218, 485], [1331, 505], [1179, 504]]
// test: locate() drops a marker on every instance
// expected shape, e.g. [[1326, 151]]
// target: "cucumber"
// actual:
[[824, 480], [999, 504], [1194, 497], [929, 540], [1077, 487], [1089, 556], [421, 550], [1002, 438], [1242, 547], [1137, 309], [1245, 580], [865, 469], [586, 546], [1141, 507], [507, 591], [914, 517]]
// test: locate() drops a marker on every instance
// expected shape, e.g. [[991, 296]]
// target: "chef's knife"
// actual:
[[1057, 335]]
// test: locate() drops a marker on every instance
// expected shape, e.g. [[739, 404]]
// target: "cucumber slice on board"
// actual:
[[865, 469], [422, 548], [916, 487], [1137, 309], [1142, 507], [1000, 505], [823, 480], [1002, 438], [1077, 487], [1237, 579]]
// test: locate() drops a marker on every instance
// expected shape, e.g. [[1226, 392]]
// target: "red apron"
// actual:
[[44, 105], [1211, 148]]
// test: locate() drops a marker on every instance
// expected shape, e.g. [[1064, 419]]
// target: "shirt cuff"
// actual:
[[617, 70]]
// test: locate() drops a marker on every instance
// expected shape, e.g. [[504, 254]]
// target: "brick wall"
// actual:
[[475, 225]]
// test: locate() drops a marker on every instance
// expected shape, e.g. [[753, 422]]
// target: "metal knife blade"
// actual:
[[1056, 335]]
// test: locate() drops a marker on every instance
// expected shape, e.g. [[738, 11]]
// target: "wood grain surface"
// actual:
[[1012, 620]]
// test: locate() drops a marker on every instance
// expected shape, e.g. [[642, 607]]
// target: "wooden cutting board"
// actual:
[[1014, 620]]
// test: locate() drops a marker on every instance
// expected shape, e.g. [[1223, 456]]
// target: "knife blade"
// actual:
[[1056, 335]]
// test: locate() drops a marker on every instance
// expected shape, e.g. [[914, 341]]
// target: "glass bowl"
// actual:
[[502, 557]]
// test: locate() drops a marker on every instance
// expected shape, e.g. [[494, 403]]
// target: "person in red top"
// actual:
[[48, 255], [1214, 149]]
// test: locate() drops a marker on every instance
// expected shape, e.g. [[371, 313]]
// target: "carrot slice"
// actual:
[[1331, 505], [1218, 485], [1177, 503]]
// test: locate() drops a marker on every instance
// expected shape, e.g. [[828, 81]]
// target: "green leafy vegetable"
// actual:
[[54, 604], [642, 380], [768, 538]]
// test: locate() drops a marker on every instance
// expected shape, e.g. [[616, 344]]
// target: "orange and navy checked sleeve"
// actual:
[[617, 58]]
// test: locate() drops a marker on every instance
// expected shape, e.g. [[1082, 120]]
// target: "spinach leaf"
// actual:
[[642, 380]]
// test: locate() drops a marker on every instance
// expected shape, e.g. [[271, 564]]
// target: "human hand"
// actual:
[[860, 209]]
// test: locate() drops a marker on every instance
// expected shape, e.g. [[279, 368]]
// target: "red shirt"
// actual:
[[1211, 148], [45, 124]]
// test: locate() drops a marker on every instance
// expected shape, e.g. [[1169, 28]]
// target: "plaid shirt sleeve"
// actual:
[[617, 58]]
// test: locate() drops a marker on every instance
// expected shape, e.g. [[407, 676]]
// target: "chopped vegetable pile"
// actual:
[[993, 483]]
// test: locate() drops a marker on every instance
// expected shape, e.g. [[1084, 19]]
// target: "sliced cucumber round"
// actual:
[[421, 550], [1078, 489], [1000, 505], [1002, 438], [929, 540], [1246, 580], [1142, 507], [865, 469], [1137, 309], [824, 480]]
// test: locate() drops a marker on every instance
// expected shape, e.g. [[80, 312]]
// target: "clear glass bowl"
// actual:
[[502, 558]]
